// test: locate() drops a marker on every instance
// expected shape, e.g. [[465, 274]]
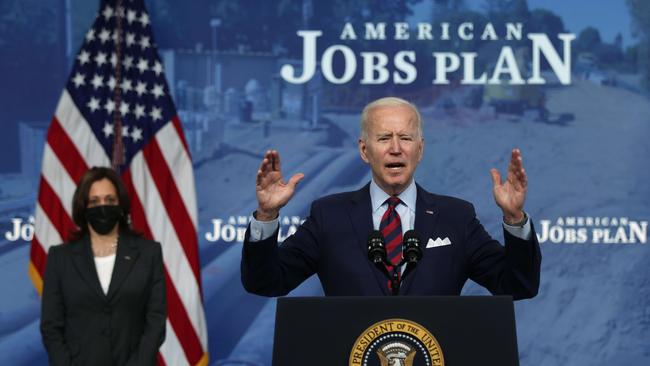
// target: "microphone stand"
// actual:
[[411, 254], [396, 281], [393, 276]]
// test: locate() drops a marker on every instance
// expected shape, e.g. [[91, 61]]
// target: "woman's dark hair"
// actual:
[[80, 201]]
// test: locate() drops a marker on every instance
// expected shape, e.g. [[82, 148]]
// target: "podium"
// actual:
[[404, 331]]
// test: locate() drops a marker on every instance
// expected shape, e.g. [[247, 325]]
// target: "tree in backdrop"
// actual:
[[503, 11], [588, 39], [547, 22], [640, 12], [607, 54]]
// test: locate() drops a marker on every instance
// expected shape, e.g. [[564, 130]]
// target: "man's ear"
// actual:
[[362, 149]]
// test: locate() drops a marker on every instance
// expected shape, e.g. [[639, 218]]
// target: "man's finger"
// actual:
[[295, 180], [516, 158], [515, 153], [276, 161], [523, 179], [496, 177], [521, 174], [258, 178], [264, 166], [267, 161], [513, 172]]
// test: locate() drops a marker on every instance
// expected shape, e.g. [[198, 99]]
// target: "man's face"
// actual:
[[393, 147]]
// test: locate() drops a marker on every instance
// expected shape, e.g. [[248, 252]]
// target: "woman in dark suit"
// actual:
[[104, 291]]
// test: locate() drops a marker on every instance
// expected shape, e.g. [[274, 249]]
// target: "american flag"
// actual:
[[116, 110]]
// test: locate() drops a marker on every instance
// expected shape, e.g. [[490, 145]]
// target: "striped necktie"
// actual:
[[391, 229]]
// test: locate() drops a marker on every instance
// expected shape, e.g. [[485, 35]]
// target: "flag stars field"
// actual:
[[139, 111], [142, 65], [90, 36], [107, 13], [93, 104], [136, 135], [97, 82], [78, 80], [111, 83], [157, 91], [104, 36], [126, 85], [155, 114], [157, 68], [130, 39], [144, 42], [124, 108], [144, 19], [100, 59], [109, 106], [83, 57], [130, 16], [141, 88], [108, 129], [128, 62]]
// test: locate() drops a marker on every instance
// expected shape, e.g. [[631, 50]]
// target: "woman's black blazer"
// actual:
[[81, 325]]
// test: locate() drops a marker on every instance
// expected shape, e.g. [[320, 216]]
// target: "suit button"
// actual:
[[107, 309]]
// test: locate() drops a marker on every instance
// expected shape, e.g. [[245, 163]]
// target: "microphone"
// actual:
[[376, 248], [377, 255], [411, 250]]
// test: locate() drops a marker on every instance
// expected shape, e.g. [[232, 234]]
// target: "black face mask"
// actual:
[[103, 218]]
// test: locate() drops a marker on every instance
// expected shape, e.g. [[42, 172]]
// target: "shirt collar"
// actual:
[[378, 196]]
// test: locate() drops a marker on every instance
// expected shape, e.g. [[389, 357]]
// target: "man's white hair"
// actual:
[[388, 102]]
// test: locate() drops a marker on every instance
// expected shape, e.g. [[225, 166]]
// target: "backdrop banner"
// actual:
[[567, 82]]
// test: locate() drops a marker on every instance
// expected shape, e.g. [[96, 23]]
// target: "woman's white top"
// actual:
[[104, 267]]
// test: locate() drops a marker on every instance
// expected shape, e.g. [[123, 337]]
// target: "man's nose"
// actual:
[[395, 147]]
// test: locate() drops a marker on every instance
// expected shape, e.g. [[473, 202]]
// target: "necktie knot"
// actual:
[[393, 202]]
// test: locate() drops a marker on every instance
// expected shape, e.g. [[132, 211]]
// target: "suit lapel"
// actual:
[[84, 262], [125, 258], [426, 216], [361, 216]]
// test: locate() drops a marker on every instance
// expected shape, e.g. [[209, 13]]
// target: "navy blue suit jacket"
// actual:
[[332, 244]]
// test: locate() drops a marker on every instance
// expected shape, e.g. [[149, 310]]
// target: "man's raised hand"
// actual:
[[271, 190], [511, 194]]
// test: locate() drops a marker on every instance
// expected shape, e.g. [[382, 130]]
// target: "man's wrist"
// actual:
[[514, 220], [265, 216]]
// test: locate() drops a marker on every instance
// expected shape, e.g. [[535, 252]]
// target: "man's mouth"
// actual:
[[395, 166]]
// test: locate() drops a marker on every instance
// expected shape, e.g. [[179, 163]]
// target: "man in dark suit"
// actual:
[[332, 241]]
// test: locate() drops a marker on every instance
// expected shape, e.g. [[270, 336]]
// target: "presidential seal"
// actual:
[[396, 342]]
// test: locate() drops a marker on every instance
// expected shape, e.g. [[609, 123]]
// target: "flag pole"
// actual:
[[118, 144]]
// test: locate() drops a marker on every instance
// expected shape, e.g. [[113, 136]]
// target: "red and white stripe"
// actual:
[[161, 187]]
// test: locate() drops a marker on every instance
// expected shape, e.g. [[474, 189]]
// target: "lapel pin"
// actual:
[[127, 257], [430, 212]]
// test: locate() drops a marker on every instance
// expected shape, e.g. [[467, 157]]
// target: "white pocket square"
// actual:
[[438, 242]]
